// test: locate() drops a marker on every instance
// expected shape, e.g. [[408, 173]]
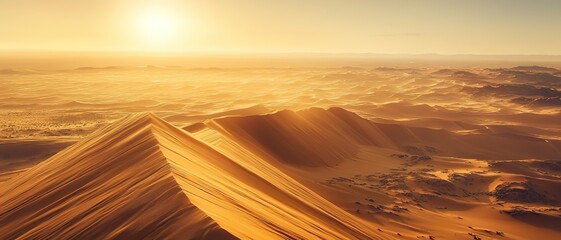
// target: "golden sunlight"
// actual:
[[264, 119], [158, 25]]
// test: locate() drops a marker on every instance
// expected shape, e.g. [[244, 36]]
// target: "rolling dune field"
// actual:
[[281, 153]]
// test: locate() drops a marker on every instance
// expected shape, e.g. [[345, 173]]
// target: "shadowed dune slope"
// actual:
[[312, 137], [18, 155], [319, 137], [141, 177]]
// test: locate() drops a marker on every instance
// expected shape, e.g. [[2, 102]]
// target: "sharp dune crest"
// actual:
[[108, 186], [141, 177]]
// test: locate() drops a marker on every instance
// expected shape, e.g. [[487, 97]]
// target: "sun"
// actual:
[[158, 25]]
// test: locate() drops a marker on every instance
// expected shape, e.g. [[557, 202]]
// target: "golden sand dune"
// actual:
[[140, 177]]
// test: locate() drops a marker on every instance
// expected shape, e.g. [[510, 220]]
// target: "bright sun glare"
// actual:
[[158, 25]]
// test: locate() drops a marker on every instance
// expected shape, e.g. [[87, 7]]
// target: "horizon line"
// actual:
[[249, 53]]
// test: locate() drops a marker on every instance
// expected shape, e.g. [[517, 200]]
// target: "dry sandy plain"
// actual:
[[274, 153]]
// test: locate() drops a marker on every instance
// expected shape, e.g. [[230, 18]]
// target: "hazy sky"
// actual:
[[350, 26]]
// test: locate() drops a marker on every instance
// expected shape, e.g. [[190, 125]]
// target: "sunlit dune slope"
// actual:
[[112, 185], [319, 137], [140, 177]]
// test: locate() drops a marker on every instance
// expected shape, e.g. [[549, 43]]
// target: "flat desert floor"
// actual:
[[263, 153]]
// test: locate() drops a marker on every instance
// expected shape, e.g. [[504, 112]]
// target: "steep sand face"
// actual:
[[143, 178], [292, 138], [115, 184]]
